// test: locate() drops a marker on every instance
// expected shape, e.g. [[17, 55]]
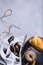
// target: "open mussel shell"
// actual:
[[39, 54]]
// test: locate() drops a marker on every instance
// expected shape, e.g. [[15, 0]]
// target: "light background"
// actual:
[[27, 14]]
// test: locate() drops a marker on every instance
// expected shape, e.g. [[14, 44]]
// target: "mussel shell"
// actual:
[[39, 54]]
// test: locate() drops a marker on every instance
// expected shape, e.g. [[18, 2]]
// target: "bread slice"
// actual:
[[37, 42]]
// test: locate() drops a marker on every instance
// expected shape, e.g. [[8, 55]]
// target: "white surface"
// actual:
[[27, 14]]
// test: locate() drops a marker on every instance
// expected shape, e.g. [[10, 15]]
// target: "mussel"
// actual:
[[15, 48]]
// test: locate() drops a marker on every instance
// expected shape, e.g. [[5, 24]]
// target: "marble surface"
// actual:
[[27, 14]]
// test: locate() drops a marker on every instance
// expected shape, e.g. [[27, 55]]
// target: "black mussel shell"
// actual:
[[17, 59], [5, 50], [15, 49], [11, 39]]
